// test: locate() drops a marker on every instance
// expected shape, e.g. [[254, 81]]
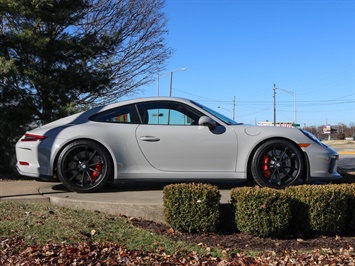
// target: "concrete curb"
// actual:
[[147, 212], [147, 205], [143, 203]]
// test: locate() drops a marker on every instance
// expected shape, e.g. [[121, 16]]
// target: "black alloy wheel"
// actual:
[[84, 166], [277, 163]]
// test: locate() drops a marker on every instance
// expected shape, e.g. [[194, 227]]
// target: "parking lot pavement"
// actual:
[[21, 190]]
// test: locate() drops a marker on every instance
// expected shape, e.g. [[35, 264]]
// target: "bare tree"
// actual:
[[139, 51]]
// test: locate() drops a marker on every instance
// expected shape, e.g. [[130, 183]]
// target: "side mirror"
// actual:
[[207, 122]]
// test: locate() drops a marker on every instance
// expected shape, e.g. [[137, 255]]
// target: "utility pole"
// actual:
[[274, 105], [234, 108]]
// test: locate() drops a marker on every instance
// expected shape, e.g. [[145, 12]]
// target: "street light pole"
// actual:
[[158, 84], [171, 83], [232, 114], [171, 79]]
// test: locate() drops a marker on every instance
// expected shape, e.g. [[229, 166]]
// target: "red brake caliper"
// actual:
[[265, 167], [96, 173]]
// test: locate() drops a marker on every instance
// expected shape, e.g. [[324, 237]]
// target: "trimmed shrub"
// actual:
[[350, 191], [261, 211], [192, 207], [319, 208]]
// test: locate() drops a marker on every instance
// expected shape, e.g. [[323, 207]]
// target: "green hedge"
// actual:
[[351, 211], [261, 211], [297, 210], [192, 207], [319, 208]]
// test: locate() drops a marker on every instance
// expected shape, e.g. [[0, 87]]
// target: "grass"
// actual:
[[40, 223]]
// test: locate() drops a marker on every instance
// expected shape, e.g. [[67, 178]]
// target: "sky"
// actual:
[[244, 49]]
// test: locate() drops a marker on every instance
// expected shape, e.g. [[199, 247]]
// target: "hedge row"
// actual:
[[306, 209], [192, 207]]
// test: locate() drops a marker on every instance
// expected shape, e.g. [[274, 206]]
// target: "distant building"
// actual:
[[278, 124]]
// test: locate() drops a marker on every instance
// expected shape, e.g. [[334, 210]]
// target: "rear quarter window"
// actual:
[[124, 114]]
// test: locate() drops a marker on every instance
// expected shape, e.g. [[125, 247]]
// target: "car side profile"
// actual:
[[163, 138]]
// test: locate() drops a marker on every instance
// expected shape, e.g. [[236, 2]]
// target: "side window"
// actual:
[[168, 113], [124, 114]]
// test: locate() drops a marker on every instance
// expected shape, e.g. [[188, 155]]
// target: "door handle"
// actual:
[[149, 138]]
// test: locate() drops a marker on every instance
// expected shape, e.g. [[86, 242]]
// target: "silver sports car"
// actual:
[[170, 138]]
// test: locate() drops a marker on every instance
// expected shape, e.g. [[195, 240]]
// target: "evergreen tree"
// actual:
[[60, 54]]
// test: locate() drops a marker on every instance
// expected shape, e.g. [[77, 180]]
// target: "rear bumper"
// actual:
[[33, 160], [32, 172]]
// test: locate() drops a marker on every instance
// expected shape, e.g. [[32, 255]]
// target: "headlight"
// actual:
[[312, 137]]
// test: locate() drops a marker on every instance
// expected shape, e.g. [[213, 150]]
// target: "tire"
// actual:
[[84, 166], [277, 164]]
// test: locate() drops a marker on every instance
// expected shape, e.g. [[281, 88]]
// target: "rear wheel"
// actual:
[[84, 166], [277, 164]]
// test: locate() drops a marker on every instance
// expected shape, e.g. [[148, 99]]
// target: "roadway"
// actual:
[[346, 158]]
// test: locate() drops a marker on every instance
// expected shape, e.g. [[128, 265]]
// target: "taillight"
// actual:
[[32, 137]]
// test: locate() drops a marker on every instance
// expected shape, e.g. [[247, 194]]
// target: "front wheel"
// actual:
[[84, 166], [277, 164]]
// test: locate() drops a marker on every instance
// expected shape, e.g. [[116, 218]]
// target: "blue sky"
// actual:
[[241, 48]]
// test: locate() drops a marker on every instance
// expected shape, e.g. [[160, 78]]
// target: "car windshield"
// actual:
[[225, 119]]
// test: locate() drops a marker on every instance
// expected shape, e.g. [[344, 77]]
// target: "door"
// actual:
[[172, 141]]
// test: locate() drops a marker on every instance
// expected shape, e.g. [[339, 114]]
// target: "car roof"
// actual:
[[84, 116], [145, 99]]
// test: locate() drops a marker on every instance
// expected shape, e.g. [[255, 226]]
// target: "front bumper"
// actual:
[[323, 164]]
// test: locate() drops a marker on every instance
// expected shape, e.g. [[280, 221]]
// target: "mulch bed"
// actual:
[[244, 242]]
